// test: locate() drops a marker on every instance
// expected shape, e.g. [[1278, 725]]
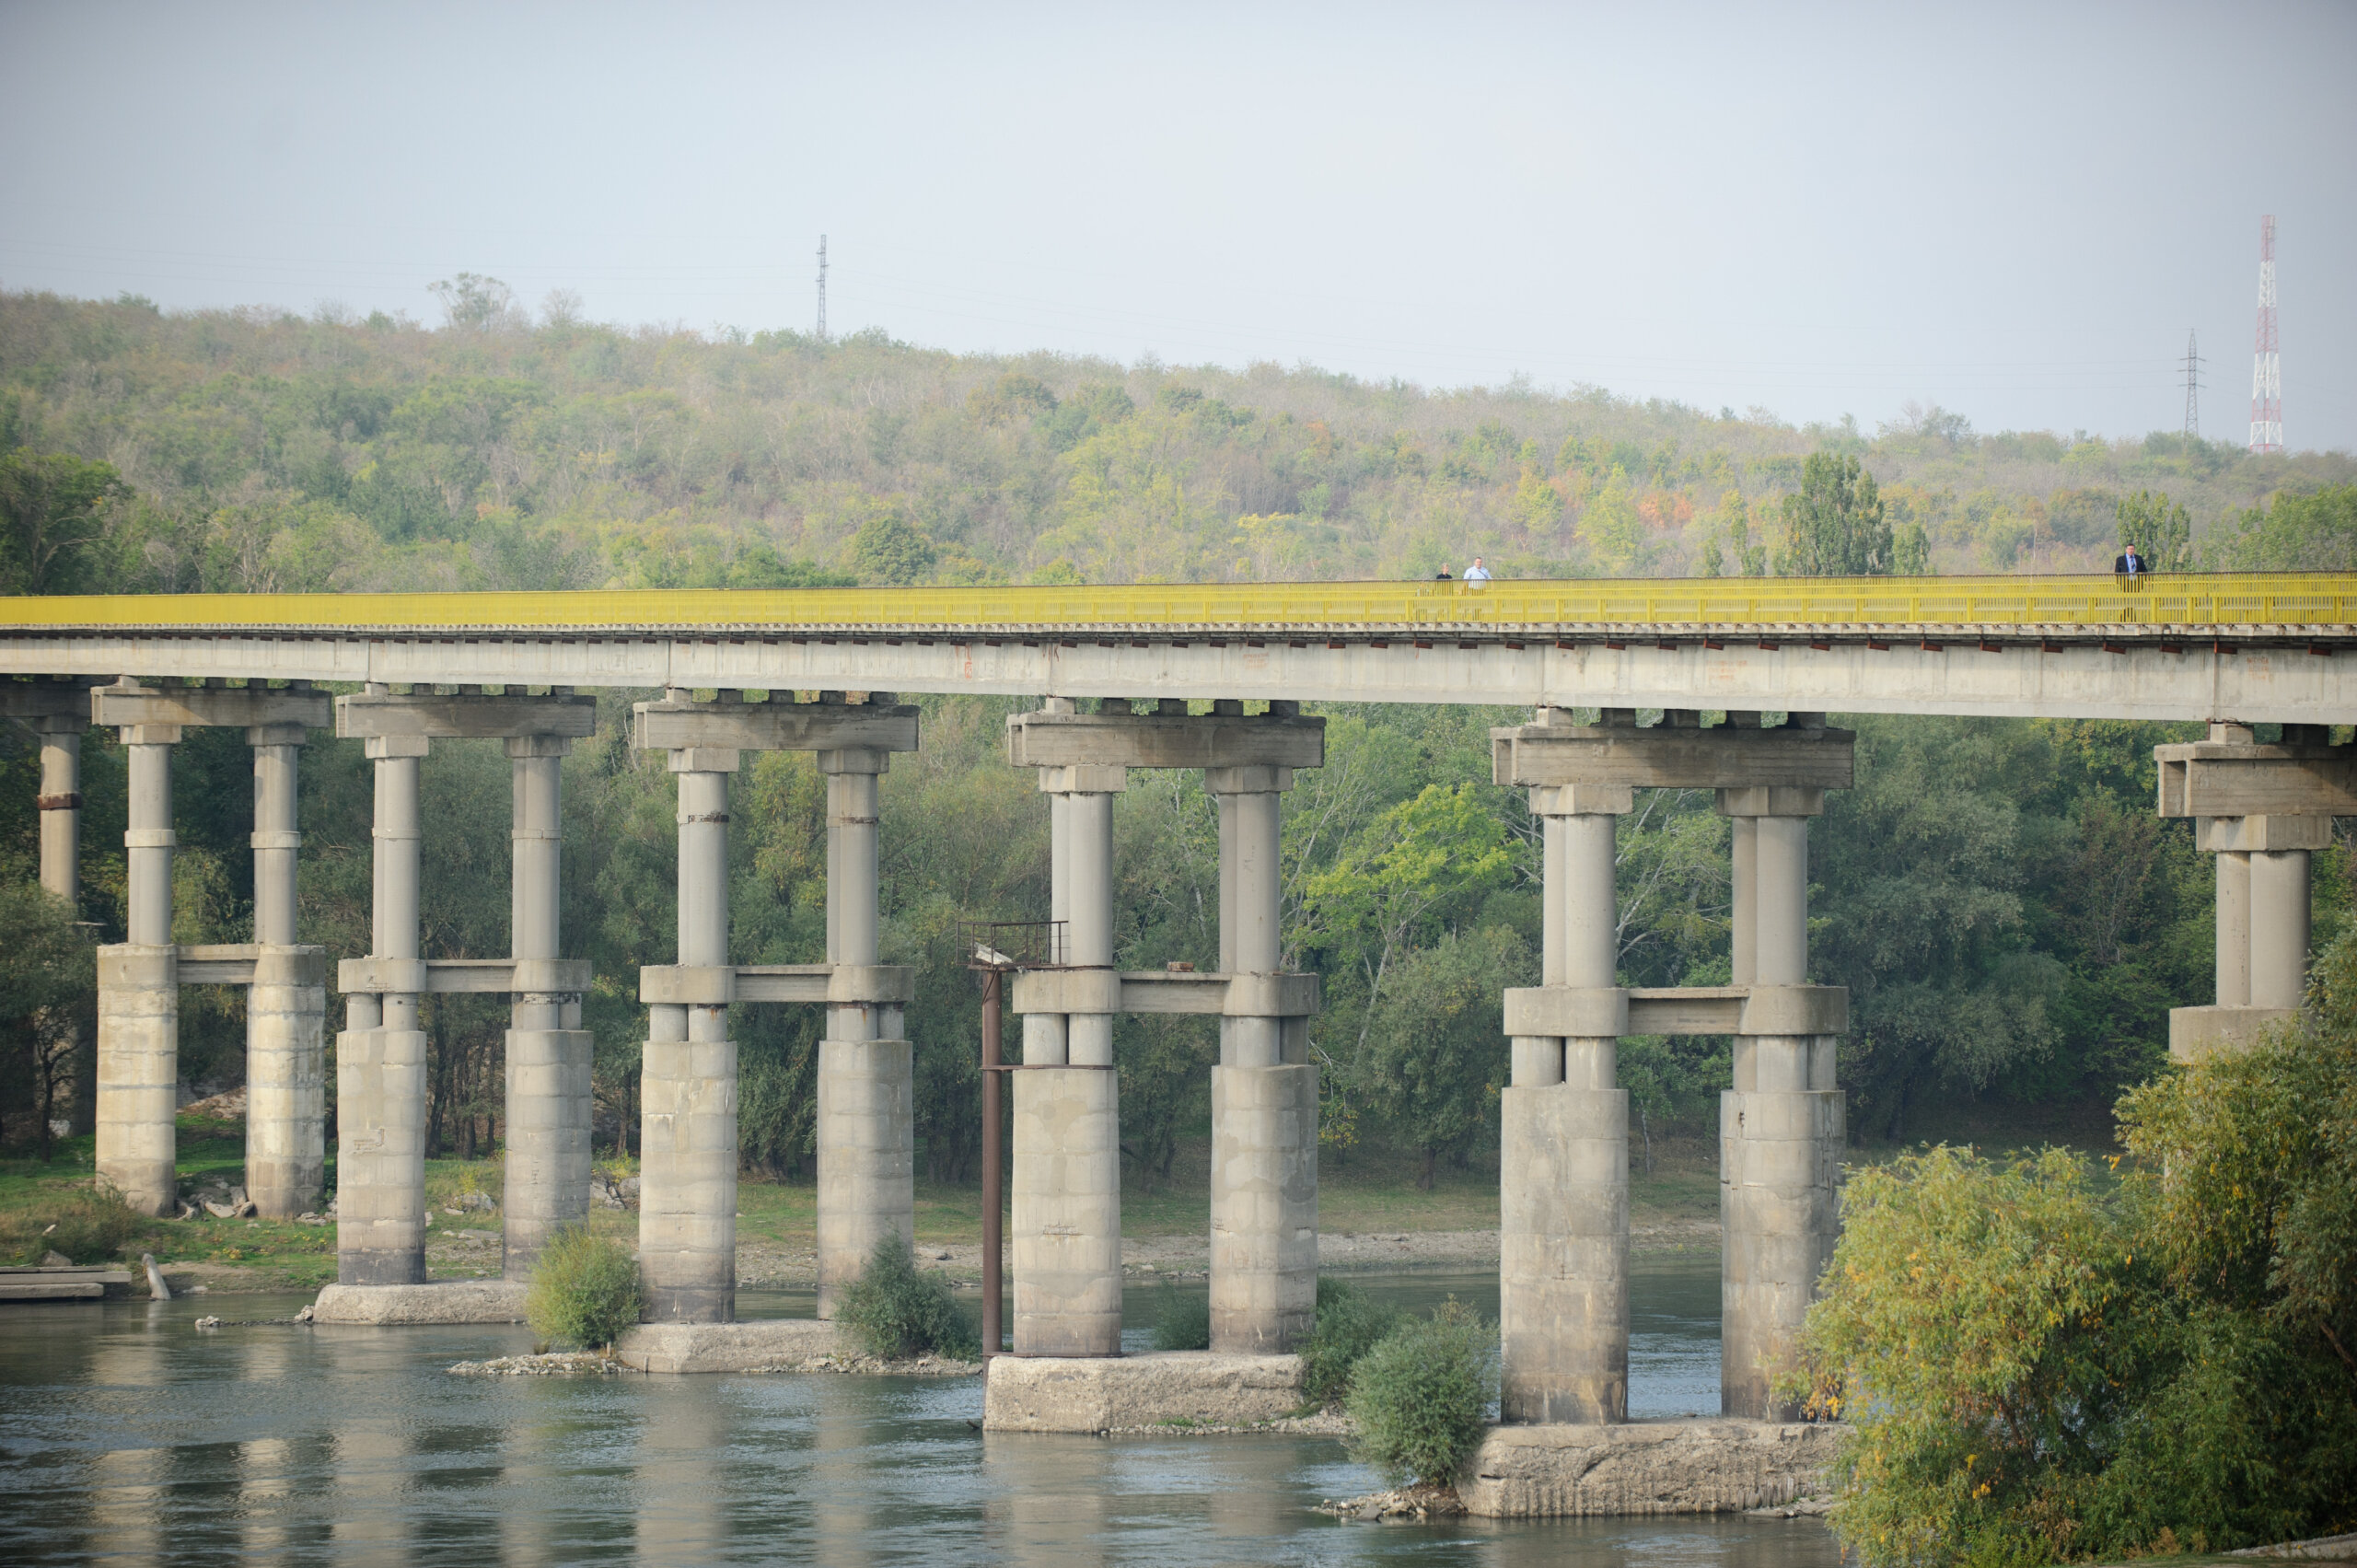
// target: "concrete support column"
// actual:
[[1780, 1127], [380, 1057], [286, 1006], [1563, 1258], [60, 804], [60, 807], [1064, 1229], [2279, 927], [687, 1221], [1264, 1107], [548, 1092], [866, 1128], [2234, 929], [139, 1001]]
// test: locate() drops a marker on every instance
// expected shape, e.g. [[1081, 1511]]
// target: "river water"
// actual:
[[125, 1436]]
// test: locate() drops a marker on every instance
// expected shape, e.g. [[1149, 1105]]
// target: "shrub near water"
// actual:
[[900, 1311], [1421, 1394], [89, 1227], [583, 1290], [1182, 1321], [1350, 1324]]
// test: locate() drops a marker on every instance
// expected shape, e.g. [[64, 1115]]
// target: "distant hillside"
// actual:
[[266, 450]]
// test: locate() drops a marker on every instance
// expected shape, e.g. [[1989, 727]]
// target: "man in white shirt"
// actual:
[[1476, 573]]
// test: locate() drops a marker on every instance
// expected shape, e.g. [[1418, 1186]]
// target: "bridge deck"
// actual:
[[2182, 646], [2197, 599]]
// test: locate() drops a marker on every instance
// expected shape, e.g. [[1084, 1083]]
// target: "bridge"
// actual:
[[1145, 676]]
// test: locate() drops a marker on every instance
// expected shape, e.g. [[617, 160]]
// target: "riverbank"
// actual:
[[1374, 1218]]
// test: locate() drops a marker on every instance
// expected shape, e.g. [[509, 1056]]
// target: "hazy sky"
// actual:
[[2013, 212]]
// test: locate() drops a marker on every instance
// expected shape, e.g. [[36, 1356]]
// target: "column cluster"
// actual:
[[139, 979], [1564, 1196], [1065, 1225], [2261, 810], [380, 1055], [867, 1092]]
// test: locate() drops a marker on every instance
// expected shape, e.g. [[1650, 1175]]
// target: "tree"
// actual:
[[2158, 531], [46, 988], [1438, 1050], [473, 302], [889, 551], [1835, 526], [52, 507], [2313, 532]]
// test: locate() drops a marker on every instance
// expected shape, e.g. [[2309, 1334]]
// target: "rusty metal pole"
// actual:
[[992, 1242]]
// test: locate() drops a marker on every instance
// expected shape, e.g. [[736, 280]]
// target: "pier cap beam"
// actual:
[[1672, 757], [873, 726], [1275, 740], [376, 716], [250, 708]]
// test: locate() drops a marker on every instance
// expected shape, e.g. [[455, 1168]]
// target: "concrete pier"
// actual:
[[287, 1004], [866, 1071], [1064, 1233], [865, 1112], [1563, 1284], [1780, 1127], [548, 1089], [2262, 812], [687, 1223], [380, 1055], [139, 998], [1264, 1107], [1563, 1237]]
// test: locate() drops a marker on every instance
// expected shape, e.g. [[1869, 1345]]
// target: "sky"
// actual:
[[2013, 212]]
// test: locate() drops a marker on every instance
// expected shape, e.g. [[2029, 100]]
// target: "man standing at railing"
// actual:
[[1476, 573], [2129, 565]]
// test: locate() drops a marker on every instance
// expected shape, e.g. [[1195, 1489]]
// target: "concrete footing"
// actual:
[[1066, 1217], [287, 1082], [439, 1301], [1102, 1393], [1647, 1467], [687, 1215], [1264, 1209], [1564, 1254], [730, 1347], [866, 1156], [139, 1030], [547, 1141], [380, 1157], [1779, 1154]]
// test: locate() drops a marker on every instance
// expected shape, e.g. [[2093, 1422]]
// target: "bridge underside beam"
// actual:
[[2261, 674]]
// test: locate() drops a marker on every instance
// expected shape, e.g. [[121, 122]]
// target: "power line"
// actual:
[[2192, 363], [2265, 364]]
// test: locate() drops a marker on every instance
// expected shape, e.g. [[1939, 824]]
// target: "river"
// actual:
[[126, 1435]]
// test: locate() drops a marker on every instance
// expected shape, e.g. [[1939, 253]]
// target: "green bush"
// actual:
[[900, 1311], [583, 1290], [91, 1228], [2043, 1365], [1182, 1321], [1421, 1394], [1350, 1324]]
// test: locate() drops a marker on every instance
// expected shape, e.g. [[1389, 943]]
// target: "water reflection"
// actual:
[[126, 1435]]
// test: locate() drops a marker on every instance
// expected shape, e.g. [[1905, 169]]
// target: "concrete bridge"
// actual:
[[1116, 668]]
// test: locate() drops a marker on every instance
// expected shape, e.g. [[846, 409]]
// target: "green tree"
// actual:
[[2311, 532], [53, 508], [1834, 526], [2159, 531], [1438, 1053], [888, 549], [48, 998]]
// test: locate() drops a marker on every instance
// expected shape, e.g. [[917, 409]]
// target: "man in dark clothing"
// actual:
[[2129, 563]]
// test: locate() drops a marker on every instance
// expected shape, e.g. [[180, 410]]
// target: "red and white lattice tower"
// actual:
[[2266, 367]]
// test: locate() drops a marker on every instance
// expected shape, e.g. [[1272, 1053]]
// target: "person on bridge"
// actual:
[[1476, 573], [1442, 575], [2129, 565]]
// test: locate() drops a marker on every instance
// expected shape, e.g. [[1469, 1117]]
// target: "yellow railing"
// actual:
[[2191, 598]]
